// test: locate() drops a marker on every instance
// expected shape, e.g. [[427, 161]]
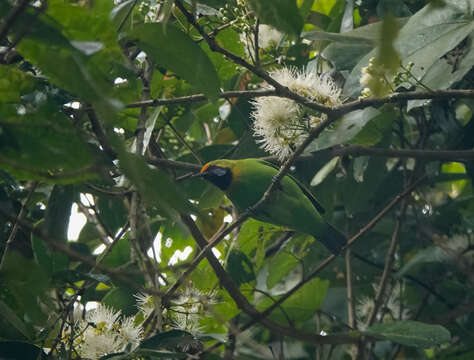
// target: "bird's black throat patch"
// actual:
[[219, 176]]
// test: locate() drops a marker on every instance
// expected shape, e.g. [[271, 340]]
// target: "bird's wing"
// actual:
[[303, 188]]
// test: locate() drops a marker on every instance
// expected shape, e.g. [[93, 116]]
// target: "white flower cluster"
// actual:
[[283, 124], [188, 308], [268, 37], [103, 332], [391, 310], [376, 79]]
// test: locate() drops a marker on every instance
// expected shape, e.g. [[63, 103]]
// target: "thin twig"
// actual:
[[185, 143], [350, 295], [387, 271], [12, 17], [21, 214]]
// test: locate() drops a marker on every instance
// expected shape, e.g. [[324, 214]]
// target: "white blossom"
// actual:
[[391, 309], [104, 331], [95, 345], [308, 84], [268, 37], [103, 317], [130, 333], [282, 124], [145, 303]]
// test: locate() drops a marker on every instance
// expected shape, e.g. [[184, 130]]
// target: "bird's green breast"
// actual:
[[287, 205]]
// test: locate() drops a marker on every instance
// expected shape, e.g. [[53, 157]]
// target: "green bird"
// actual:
[[290, 204]]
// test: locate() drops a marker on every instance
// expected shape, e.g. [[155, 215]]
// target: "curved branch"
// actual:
[[402, 96]]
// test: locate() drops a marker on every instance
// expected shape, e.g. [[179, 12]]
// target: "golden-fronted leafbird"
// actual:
[[290, 204]]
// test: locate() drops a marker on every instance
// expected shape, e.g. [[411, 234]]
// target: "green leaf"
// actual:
[[281, 14], [410, 333], [24, 286], [119, 255], [121, 299], [13, 350], [58, 211], [345, 129], [14, 83], [41, 144], [429, 255], [112, 212], [375, 129], [426, 37], [12, 318], [301, 305], [444, 73], [279, 266], [154, 185], [185, 57], [168, 339], [253, 238], [240, 268]]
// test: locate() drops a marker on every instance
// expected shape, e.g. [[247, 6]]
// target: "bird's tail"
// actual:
[[333, 239]]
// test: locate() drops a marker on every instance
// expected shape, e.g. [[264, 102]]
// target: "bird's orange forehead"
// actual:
[[205, 167]]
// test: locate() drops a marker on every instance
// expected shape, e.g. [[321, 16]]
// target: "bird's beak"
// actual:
[[199, 174]]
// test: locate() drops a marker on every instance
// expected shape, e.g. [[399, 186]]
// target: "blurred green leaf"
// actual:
[[119, 255], [345, 129], [186, 58], [13, 320], [410, 333], [112, 212], [301, 305], [121, 299], [279, 266], [41, 145], [281, 14], [429, 255], [239, 267], [154, 185], [427, 36], [24, 286]]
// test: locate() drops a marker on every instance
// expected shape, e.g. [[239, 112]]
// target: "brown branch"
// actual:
[[202, 97], [99, 131], [172, 164], [387, 271], [21, 214], [434, 155], [12, 17], [351, 319], [401, 96], [336, 111]]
